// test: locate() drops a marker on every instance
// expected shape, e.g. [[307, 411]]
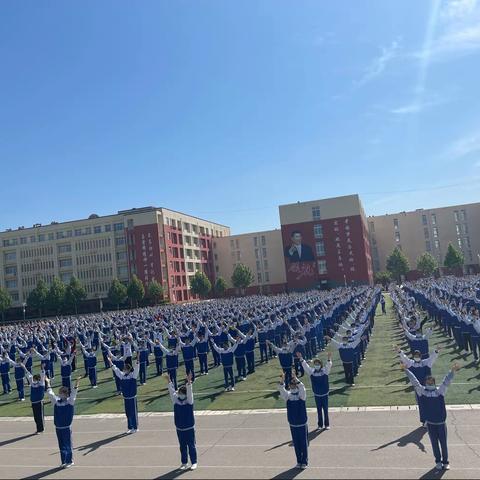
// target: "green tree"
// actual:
[[383, 278], [397, 264], [56, 295], [5, 301], [427, 264], [75, 293], [37, 298], [220, 286], [242, 276], [135, 290], [117, 293], [453, 258], [155, 291], [200, 284]]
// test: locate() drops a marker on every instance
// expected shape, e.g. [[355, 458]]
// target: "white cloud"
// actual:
[[417, 106], [378, 64], [457, 31], [465, 146]]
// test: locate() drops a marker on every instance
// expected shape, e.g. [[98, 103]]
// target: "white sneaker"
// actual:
[[327, 428], [130, 431], [298, 465], [63, 465], [227, 389], [22, 399], [303, 466], [68, 465], [183, 466], [194, 466], [446, 466], [438, 466], [232, 389], [134, 430], [95, 386]]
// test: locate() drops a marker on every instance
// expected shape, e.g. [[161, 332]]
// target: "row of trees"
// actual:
[[59, 297], [398, 264], [242, 277]]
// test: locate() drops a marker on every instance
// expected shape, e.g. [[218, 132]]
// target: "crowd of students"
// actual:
[[228, 333], [453, 305]]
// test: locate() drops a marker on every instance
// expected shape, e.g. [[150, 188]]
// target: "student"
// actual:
[[226, 356], [422, 369], [184, 419], [435, 412], [19, 377], [5, 373], [66, 370], [158, 355], [90, 358], [297, 417], [63, 412], [142, 355], [188, 353], [202, 351], [37, 393], [382, 303], [285, 357], [171, 360], [320, 386], [128, 385], [347, 352]]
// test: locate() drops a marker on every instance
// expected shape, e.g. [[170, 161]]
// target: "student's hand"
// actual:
[[77, 383], [456, 367], [299, 356], [189, 378], [167, 377], [329, 355], [47, 383], [282, 377], [403, 366]]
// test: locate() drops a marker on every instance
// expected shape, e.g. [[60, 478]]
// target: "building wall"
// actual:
[[262, 252], [98, 249], [428, 230], [335, 230]]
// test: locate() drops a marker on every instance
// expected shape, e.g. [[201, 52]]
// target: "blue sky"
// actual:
[[227, 109]]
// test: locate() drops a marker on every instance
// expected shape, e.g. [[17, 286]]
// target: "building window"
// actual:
[[457, 228], [318, 230], [264, 241], [462, 215], [437, 243], [10, 270], [265, 264], [41, 237], [424, 219], [257, 253], [434, 219], [464, 228], [397, 236], [258, 265], [264, 252], [322, 267], [395, 223], [23, 240], [455, 215], [97, 229], [108, 228], [320, 248], [267, 277], [120, 241], [64, 248], [255, 241], [9, 256], [435, 232], [316, 213], [65, 262], [117, 227], [259, 277], [428, 247], [232, 243], [122, 271], [121, 256], [10, 283], [425, 231], [371, 226], [65, 277], [238, 256], [78, 232]]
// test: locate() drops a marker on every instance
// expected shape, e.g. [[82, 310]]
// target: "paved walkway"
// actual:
[[254, 444]]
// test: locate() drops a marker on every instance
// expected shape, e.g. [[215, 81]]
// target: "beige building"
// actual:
[[262, 252], [428, 230], [153, 243]]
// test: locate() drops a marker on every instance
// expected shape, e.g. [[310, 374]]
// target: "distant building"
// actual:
[[262, 252], [325, 243], [429, 230], [153, 243]]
